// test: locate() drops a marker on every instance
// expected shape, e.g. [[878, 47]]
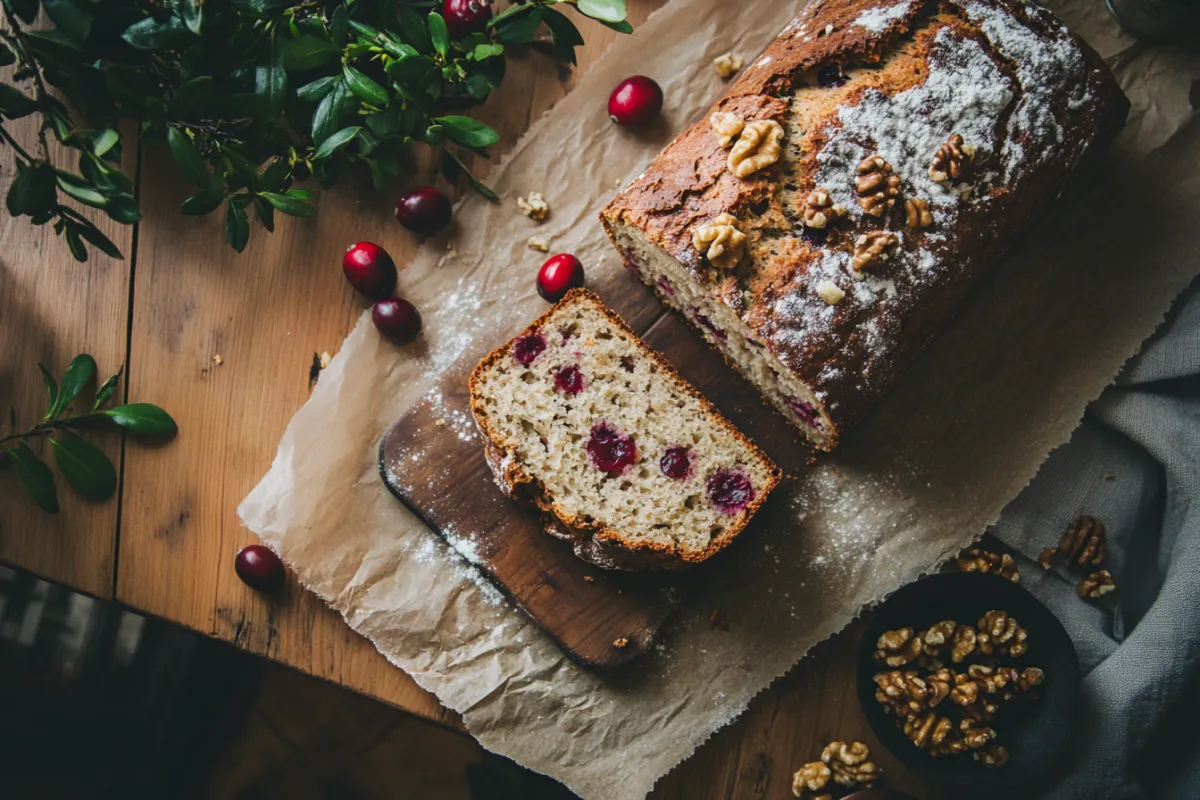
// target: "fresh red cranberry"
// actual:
[[424, 210], [676, 462], [369, 269], [730, 492], [666, 286], [630, 260], [635, 101], [611, 451], [259, 567], [569, 379], [708, 324], [528, 347], [559, 275], [464, 17], [397, 319], [831, 75], [805, 411]]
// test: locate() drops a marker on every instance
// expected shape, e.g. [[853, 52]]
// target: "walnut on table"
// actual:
[[871, 249], [978, 560], [877, 185], [916, 213], [758, 147], [1096, 585], [849, 763], [953, 161], [813, 777], [534, 206], [1046, 559], [1083, 542], [727, 64], [820, 210], [720, 241]]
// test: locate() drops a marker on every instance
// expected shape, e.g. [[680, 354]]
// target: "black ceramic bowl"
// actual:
[[1035, 731]]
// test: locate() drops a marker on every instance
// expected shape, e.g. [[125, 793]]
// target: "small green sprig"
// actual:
[[86, 467], [251, 95]]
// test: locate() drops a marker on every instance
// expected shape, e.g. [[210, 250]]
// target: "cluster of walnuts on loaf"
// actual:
[[757, 144]]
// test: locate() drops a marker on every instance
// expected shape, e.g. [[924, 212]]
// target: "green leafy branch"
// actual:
[[86, 467], [252, 95]]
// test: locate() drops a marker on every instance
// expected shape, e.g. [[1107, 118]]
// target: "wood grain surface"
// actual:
[[182, 297]]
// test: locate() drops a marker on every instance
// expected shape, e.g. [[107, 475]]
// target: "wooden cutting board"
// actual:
[[432, 460]]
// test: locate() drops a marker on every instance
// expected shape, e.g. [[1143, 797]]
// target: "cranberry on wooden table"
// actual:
[[559, 275], [397, 319], [464, 17], [424, 210], [635, 101], [259, 567], [369, 269]]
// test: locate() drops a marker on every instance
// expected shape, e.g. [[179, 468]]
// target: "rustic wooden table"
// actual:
[[226, 343]]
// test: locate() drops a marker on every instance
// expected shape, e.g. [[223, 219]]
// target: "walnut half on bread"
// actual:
[[631, 464], [934, 130]]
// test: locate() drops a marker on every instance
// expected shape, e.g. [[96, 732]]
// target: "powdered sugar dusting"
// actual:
[[876, 20]]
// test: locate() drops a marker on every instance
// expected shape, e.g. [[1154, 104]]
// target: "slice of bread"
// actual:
[[635, 467]]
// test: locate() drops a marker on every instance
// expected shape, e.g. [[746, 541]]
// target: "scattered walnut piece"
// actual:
[[1046, 559], [871, 249], [877, 185], [978, 560], [993, 755], [1000, 633], [589, 579], [534, 206], [965, 640], [820, 210], [897, 648], [727, 64], [1097, 584], [916, 213], [757, 147], [952, 161], [218, 360], [537, 243], [813, 776], [849, 763], [720, 241], [622, 642], [726, 126], [1029, 678], [1083, 542], [830, 292]]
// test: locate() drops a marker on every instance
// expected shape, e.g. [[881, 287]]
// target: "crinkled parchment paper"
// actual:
[[929, 471]]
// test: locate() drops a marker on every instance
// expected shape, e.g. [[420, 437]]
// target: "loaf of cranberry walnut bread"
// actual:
[[833, 209], [630, 462]]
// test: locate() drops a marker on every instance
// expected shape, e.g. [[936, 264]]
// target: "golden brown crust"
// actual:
[[854, 359], [595, 543]]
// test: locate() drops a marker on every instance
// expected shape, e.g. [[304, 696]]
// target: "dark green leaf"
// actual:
[[363, 29], [150, 34], [144, 418], [27, 10], [308, 51], [520, 29], [264, 213], [411, 70], [477, 184], [51, 390], [82, 193], [263, 9], [237, 227], [620, 27], [299, 194], [204, 202], [290, 205], [314, 91], [75, 244], [12, 420], [190, 12], [438, 34], [468, 132], [336, 141], [34, 190], [6, 56], [338, 28], [364, 87], [51, 44], [105, 392], [327, 117], [123, 208], [413, 30], [104, 141], [93, 236], [36, 477], [85, 466], [603, 10], [483, 51], [14, 104], [81, 370], [190, 162], [566, 36], [70, 17], [270, 86]]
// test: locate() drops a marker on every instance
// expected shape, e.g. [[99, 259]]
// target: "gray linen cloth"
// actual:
[[1134, 463]]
